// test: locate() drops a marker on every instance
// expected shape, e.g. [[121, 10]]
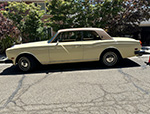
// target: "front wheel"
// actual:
[[110, 58], [26, 63]]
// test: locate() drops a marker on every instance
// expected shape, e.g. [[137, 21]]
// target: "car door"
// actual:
[[92, 45], [67, 47]]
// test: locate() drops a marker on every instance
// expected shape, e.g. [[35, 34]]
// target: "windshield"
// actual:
[[49, 41]]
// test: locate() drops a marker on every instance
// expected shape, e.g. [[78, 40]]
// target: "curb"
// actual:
[[2, 56], [145, 48]]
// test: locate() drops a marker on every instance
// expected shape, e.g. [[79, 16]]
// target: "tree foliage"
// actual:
[[9, 34], [27, 18], [7, 28], [128, 19], [62, 13], [118, 17]]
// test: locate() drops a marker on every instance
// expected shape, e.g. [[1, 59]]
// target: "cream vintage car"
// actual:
[[74, 45]]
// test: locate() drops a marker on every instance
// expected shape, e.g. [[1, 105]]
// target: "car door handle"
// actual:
[[77, 46]]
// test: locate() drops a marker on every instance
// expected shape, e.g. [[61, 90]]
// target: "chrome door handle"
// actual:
[[77, 46]]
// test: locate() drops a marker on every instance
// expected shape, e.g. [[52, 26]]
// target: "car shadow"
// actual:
[[14, 70]]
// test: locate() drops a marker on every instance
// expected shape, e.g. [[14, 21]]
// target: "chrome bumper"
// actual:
[[6, 60]]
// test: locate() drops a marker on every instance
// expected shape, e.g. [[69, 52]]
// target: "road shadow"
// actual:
[[14, 70]]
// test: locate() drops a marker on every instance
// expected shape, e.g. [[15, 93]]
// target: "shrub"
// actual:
[[9, 34], [27, 18]]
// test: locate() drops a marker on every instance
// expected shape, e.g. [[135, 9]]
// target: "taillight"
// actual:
[[135, 49], [12, 58], [141, 43]]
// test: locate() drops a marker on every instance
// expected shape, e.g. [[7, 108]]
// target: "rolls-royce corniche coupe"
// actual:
[[74, 45]]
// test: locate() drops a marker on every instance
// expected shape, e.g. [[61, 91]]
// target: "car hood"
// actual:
[[125, 39], [33, 44]]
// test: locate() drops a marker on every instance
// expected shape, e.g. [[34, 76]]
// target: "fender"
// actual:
[[111, 48], [24, 53]]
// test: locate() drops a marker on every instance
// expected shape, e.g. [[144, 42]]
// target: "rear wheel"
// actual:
[[110, 58], [26, 63]]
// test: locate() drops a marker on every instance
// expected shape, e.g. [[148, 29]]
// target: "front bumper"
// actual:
[[6, 60], [141, 52]]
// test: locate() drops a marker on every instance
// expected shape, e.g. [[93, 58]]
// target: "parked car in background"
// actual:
[[74, 45]]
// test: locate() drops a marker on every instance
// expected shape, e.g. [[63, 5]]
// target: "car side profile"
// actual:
[[74, 45]]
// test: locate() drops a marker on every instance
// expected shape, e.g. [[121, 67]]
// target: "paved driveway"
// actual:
[[82, 88]]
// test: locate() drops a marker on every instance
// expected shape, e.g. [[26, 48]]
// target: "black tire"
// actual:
[[110, 59], [26, 63]]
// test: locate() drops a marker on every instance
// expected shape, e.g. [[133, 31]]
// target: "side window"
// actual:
[[78, 35], [69, 36], [90, 35]]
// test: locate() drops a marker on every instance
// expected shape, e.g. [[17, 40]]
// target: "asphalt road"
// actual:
[[81, 88]]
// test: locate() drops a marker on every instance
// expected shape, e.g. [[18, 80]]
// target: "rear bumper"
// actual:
[[6, 60], [141, 52]]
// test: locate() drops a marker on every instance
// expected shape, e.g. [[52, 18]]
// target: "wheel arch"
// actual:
[[27, 55], [111, 49]]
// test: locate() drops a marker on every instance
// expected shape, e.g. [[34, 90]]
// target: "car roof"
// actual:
[[80, 29]]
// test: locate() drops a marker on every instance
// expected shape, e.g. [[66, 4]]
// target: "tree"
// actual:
[[127, 20], [69, 14], [62, 14], [8, 33], [118, 17], [85, 14], [27, 18]]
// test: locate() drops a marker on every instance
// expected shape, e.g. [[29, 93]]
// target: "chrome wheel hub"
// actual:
[[110, 59], [24, 64]]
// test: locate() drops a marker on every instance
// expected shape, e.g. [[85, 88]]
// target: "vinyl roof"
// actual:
[[77, 29]]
